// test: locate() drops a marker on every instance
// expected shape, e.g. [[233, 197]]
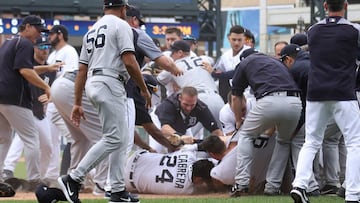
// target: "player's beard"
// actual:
[[55, 41]]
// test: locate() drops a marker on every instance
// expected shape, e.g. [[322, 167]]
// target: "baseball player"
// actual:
[[16, 65], [224, 172], [65, 53], [41, 53], [173, 173], [333, 44], [277, 104], [144, 46], [194, 76], [106, 61], [231, 58], [181, 111]]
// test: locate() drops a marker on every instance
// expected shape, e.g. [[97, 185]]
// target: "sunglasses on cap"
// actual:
[[44, 47]]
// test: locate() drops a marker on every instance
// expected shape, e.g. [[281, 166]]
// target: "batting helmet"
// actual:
[[115, 3]]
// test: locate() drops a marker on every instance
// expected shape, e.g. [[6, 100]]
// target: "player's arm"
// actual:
[[237, 103], [48, 68], [33, 78], [77, 113], [133, 69], [167, 64]]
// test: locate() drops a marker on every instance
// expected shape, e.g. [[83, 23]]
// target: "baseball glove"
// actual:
[[175, 140], [6, 190]]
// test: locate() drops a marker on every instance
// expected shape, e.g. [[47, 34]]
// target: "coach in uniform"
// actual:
[[107, 64], [278, 104], [333, 44], [16, 66], [182, 111]]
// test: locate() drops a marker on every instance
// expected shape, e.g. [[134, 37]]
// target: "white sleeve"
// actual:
[[227, 119], [164, 77]]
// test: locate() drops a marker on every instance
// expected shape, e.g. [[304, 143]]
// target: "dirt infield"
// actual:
[[31, 196]]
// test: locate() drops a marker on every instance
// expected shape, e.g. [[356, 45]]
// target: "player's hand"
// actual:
[[187, 139], [47, 92], [55, 67], [261, 141], [77, 114], [147, 96], [207, 66], [44, 99], [177, 72], [175, 140]]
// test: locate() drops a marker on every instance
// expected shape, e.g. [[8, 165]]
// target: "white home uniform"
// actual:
[[197, 77], [160, 173], [70, 57], [225, 170]]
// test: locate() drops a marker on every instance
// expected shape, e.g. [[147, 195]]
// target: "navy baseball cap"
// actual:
[[151, 83], [60, 29], [45, 194], [180, 45], [35, 21], [42, 40], [132, 11], [299, 39], [289, 50]]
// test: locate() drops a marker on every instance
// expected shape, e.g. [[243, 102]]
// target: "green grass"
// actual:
[[20, 170], [248, 199]]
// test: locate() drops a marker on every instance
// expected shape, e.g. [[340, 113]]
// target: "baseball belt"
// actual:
[[285, 93], [107, 72], [70, 75]]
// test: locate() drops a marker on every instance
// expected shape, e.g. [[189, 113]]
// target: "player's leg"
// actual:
[[347, 117], [22, 121], [5, 137], [255, 123], [13, 155], [285, 114], [317, 115], [46, 149], [330, 149]]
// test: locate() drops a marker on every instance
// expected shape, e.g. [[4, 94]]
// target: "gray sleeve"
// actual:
[[146, 44]]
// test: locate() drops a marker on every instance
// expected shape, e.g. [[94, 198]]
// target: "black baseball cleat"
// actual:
[[329, 190], [123, 196], [341, 192], [70, 188], [299, 195], [238, 190]]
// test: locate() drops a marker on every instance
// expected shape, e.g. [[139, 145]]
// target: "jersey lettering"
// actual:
[[197, 63], [97, 41], [166, 176]]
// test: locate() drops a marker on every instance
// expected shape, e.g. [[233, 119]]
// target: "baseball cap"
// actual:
[[299, 39], [42, 40], [59, 29], [133, 11], [180, 45], [247, 53], [45, 194], [115, 3], [35, 21], [289, 50], [151, 83], [190, 38]]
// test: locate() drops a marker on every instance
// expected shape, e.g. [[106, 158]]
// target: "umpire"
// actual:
[[278, 104]]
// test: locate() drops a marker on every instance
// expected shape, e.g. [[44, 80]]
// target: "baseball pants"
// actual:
[[108, 96], [22, 121], [347, 116], [280, 111]]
